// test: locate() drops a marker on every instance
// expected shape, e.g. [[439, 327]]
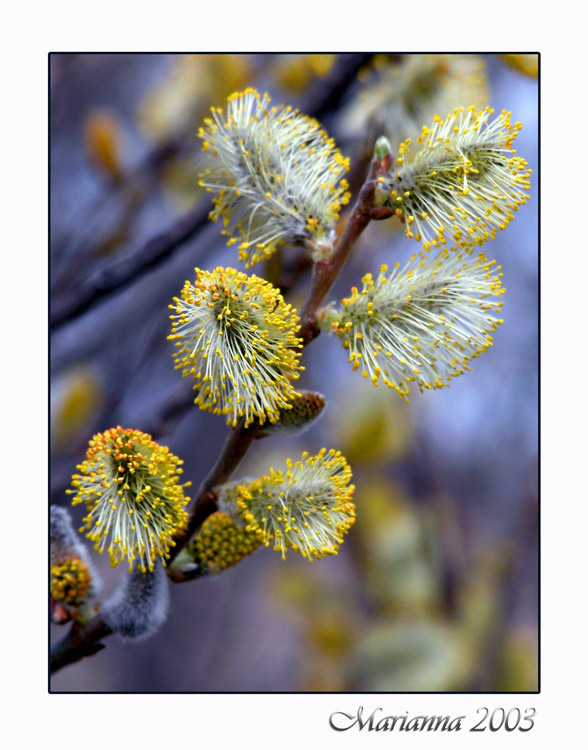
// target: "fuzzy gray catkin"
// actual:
[[139, 605], [66, 545]]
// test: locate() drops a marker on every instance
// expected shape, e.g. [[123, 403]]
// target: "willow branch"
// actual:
[[325, 272], [82, 641], [234, 449]]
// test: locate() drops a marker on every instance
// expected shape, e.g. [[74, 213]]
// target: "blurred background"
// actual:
[[435, 587]]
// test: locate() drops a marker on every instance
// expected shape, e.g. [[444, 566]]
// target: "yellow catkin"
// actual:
[[306, 506], [297, 72], [236, 337], [464, 183], [423, 324], [70, 581], [527, 64], [221, 543], [276, 176], [101, 139], [131, 489], [398, 96], [191, 85]]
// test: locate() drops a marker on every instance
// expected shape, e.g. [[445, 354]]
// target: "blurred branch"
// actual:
[[109, 219], [328, 92], [169, 411], [453, 543], [120, 273]]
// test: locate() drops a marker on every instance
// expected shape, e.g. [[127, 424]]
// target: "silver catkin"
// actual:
[[139, 605], [65, 544]]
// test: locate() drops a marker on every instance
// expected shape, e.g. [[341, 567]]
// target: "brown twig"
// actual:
[[204, 504], [83, 641], [79, 642], [325, 272]]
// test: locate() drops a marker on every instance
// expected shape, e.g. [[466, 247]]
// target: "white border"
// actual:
[[272, 720]]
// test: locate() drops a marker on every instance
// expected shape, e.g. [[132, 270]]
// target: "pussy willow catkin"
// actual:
[[276, 176], [464, 183], [236, 337], [423, 324], [135, 502], [306, 506]]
